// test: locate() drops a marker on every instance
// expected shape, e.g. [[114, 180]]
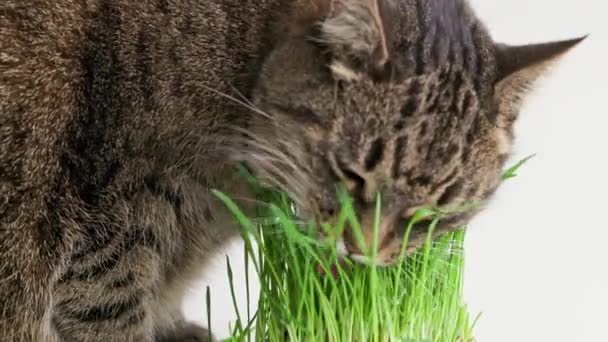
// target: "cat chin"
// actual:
[[341, 248]]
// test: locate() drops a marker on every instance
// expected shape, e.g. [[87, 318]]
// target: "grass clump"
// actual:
[[418, 299]]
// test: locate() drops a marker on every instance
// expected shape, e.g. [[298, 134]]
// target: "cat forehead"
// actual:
[[449, 81]]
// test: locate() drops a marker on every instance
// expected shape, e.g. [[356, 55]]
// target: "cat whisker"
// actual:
[[273, 154], [279, 157], [247, 104], [281, 178], [242, 96]]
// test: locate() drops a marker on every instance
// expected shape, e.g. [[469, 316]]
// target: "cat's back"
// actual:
[[87, 90], [85, 79], [39, 77]]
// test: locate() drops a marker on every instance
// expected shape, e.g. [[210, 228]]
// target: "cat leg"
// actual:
[[30, 257], [169, 321], [110, 287], [186, 332]]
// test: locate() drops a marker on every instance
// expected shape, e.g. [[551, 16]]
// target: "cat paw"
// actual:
[[188, 333]]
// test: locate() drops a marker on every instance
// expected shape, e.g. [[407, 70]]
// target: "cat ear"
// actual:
[[518, 67], [354, 32]]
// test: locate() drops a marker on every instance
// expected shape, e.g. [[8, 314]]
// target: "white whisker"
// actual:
[[240, 102]]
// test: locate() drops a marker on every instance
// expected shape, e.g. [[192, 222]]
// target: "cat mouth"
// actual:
[[345, 261], [341, 263], [343, 252]]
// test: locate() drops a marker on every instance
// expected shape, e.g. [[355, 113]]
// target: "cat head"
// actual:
[[411, 100]]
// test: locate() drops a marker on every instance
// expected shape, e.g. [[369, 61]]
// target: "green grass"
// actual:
[[418, 299]]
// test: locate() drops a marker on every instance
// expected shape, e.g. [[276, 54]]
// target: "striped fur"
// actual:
[[118, 118]]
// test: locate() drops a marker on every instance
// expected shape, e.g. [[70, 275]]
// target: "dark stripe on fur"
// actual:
[[476, 73], [410, 107], [135, 318], [447, 180], [144, 69], [375, 154], [400, 147], [450, 193], [104, 312], [92, 154], [98, 238], [420, 43], [122, 282], [157, 188], [137, 237]]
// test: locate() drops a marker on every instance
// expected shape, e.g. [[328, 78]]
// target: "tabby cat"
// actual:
[[117, 118]]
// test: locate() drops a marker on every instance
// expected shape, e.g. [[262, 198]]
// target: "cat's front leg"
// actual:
[[31, 255], [186, 332]]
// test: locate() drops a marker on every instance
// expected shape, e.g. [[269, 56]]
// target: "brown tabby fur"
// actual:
[[118, 117]]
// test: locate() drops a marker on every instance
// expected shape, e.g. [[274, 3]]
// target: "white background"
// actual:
[[537, 259]]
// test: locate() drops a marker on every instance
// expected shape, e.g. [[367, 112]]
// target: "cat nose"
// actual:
[[361, 184]]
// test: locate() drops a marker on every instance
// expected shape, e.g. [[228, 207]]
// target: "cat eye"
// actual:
[[354, 181], [353, 177]]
